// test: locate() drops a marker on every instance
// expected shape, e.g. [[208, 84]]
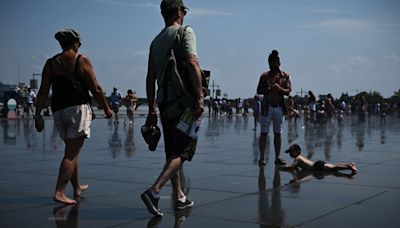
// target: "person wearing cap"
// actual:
[[70, 76], [178, 148], [302, 163]]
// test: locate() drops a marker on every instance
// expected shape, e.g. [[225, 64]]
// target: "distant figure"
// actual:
[[115, 103], [312, 106], [178, 146], [130, 100], [239, 106], [274, 85], [383, 111], [30, 101], [303, 163], [256, 110], [70, 75], [329, 108], [209, 105], [362, 109], [293, 112]]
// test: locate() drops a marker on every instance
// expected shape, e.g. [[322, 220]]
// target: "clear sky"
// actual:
[[327, 46]]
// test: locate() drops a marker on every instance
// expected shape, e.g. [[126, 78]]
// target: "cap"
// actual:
[[171, 4], [67, 35], [295, 147]]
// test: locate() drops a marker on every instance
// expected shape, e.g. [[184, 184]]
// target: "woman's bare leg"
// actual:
[[68, 170]]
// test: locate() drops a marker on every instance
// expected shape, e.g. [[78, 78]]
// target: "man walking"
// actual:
[[115, 103], [274, 85], [178, 146], [30, 101]]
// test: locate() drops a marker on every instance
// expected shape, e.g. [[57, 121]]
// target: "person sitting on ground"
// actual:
[[303, 163]]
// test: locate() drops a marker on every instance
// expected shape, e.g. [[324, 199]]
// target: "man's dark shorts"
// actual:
[[177, 144], [115, 108]]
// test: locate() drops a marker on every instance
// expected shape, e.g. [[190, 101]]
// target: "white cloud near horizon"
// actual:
[[352, 65], [360, 61], [344, 24], [394, 59], [328, 11], [127, 3], [195, 12], [207, 12]]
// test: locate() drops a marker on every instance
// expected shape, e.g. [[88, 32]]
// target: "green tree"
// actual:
[[396, 97]]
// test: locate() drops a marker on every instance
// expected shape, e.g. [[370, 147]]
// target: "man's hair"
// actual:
[[273, 57]]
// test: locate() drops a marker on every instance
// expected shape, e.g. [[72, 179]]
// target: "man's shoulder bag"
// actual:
[[177, 73]]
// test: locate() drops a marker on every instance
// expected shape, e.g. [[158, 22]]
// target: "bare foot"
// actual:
[[82, 188], [61, 198], [353, 167]]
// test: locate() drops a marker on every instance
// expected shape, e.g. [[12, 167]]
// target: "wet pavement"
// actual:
[[224, 180]]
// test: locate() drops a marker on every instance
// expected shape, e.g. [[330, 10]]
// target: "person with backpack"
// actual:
[[70, 75], [178, 43]]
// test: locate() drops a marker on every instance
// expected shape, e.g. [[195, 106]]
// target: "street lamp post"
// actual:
[[33, 83], [217, 92]]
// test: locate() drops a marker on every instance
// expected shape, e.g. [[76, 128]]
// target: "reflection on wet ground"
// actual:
[[224, 180]]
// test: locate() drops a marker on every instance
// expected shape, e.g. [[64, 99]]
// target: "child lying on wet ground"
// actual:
[[303, 163]]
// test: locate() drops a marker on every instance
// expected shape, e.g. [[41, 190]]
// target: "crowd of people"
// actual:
[[226, 107], [26, 101], [328, 110]]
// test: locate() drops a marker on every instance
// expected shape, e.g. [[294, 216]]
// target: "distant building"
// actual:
[[4, 87]]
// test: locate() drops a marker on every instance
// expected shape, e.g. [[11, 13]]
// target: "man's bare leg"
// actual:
[[277, 145], [262, 146], [177, 186], [169, 171]]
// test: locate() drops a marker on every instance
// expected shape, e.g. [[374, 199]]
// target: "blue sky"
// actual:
[[328, 46]]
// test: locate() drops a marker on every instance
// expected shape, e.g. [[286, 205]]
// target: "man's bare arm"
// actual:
[[194, 70]]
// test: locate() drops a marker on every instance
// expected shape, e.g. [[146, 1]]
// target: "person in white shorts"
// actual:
[[70, 76], [274, 85]]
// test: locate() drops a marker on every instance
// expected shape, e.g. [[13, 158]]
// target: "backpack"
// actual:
[[176, 73]]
